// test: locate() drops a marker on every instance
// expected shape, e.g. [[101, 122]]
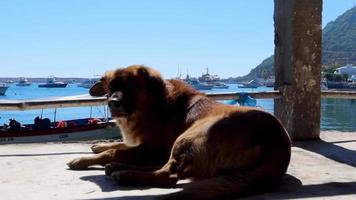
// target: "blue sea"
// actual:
[[337, 114]]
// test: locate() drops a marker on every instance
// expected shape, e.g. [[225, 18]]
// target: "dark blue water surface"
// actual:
[[337, 114]]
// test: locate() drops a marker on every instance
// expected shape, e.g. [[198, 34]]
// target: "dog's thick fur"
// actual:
[[226, 150]]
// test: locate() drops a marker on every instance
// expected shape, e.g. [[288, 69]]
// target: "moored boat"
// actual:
[[88, 83], [250, 84], [23, 82], [220, 85], [212, 81], [199, 85], [43, 130], [53, 83], [3, 88], [69, 130], [208, 78]]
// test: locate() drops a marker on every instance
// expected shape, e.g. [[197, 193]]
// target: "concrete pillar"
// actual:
[[298, 66]]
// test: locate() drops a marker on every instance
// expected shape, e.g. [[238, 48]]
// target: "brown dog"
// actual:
[[225, 150]]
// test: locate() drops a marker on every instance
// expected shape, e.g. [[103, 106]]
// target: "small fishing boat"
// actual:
[[3, 88], [23, 82], [43, 130], [53, 83], [69, 130]]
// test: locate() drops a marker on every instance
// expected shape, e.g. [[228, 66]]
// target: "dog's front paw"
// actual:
[[77, 164], [98, 148]]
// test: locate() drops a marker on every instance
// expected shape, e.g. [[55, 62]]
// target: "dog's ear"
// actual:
[[97, 90]]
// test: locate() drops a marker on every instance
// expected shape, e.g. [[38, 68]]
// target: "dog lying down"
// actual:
[[171, 132]]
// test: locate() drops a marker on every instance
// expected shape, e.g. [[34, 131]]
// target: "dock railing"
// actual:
[[87, 100]]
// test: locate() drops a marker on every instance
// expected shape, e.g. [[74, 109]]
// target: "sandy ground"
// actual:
[[319, 170]]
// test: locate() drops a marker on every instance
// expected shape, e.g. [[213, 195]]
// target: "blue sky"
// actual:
[[82, 38]]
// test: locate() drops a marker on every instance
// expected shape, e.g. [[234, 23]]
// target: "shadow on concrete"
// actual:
[[318, 190], [343, 141], [146, 197], [106, 184], [91, 168], [291, 188], [330, 150], [43, 154]]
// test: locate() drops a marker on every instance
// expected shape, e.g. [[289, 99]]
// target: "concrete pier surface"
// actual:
[[322, 169]]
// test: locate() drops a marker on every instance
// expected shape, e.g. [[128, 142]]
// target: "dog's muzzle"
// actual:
[[116, 105], [114, 101]]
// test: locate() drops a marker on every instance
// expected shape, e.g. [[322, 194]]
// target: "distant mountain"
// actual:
[[262, 70], [338, 46], [339, 39]]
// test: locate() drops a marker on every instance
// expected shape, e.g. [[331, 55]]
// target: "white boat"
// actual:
[[212, 81], [250, 84], [209, 78], [199, 85], [220, 85], [23, 82], [3, 88], [53, 83], [88, 83]]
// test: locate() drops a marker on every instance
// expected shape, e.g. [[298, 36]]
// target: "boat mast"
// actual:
[[55, 115], [91, 112]]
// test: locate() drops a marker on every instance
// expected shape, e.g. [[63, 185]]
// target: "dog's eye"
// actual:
[[112, 89]]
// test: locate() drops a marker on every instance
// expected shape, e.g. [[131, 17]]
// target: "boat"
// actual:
[[88, 83], [269, 82], [9, 81], [199, 85], [208, 78], [53, 83], [23, 82], [43, 130], [220, 85], [3, 88], [251, 84], [69, 130], [212, 80]]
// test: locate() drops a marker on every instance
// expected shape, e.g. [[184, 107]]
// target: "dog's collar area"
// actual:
[[194, 101]]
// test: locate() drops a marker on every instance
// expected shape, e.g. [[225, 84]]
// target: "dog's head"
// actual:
[[130, 89]]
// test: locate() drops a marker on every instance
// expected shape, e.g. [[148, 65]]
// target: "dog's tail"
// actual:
[[264, 177]]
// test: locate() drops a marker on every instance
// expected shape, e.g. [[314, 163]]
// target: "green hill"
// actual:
[[338, 46]]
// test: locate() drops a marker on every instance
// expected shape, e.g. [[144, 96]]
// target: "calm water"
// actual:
[[34, 92], [337, 114]]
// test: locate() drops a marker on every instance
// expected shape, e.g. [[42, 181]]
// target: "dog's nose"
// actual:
[[114, 100]]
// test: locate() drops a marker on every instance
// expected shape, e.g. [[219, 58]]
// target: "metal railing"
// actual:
[[94, 101]]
